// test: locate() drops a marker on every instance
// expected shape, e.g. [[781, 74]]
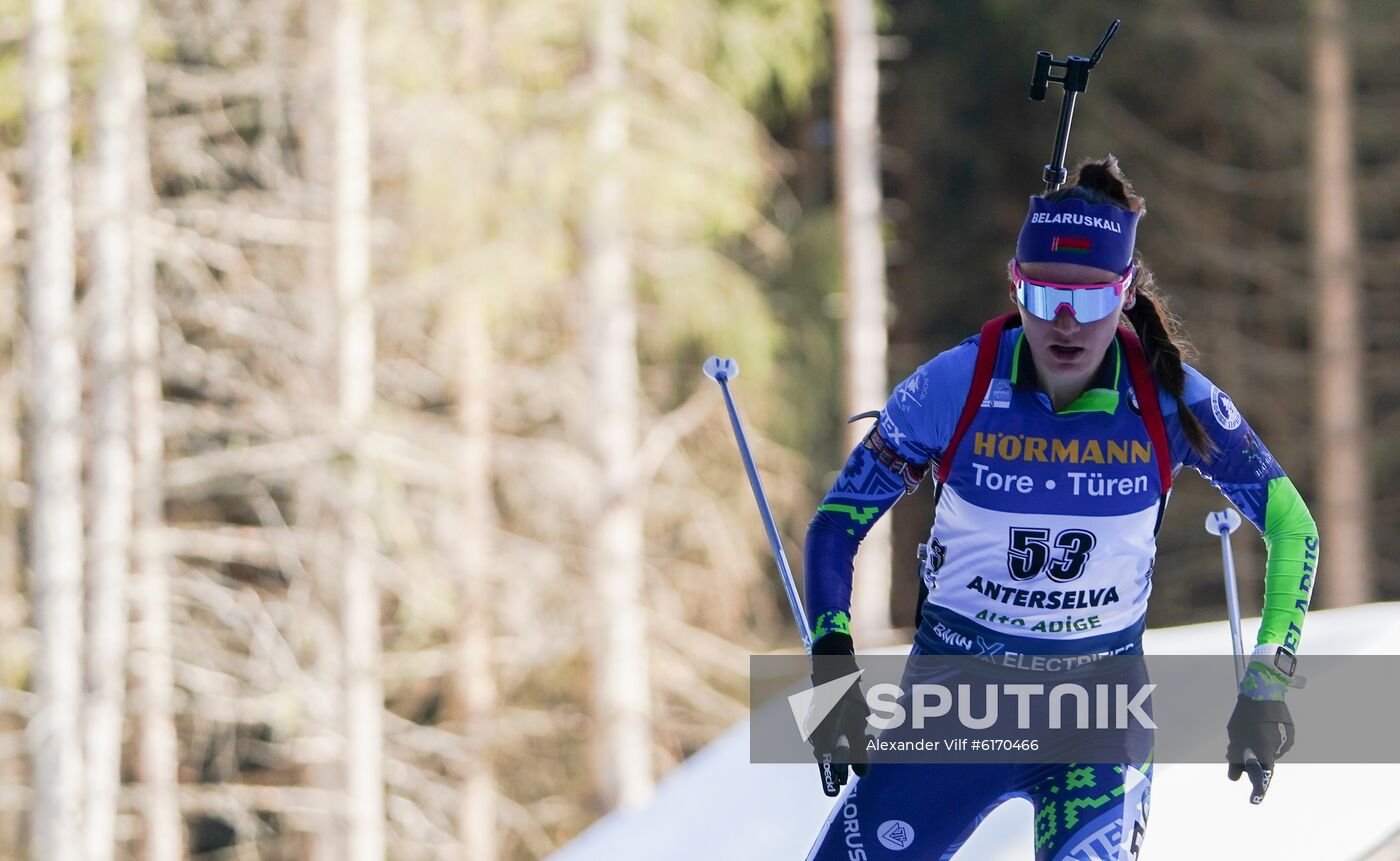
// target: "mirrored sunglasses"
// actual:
[[1087, 302]]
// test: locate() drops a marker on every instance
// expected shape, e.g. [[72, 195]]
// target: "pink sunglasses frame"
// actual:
[[1117, 286]]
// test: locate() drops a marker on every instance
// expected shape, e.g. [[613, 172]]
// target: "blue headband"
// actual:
[[1100, 235]]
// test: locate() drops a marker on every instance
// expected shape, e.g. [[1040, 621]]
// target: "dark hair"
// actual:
[[1163, 338]]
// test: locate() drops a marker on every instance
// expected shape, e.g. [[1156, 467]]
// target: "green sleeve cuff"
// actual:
[[1263, 682], [831, 621]]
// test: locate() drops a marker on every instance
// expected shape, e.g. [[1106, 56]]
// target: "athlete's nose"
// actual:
[[1065, 322]]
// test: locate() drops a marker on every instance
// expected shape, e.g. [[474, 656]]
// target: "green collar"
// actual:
[[1101, 397]]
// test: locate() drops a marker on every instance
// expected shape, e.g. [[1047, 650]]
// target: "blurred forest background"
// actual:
[[360, 493]]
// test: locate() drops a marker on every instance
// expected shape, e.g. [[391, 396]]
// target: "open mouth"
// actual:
[[1066, 353]]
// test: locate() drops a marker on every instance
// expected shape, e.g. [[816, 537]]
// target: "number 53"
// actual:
[[1029, 553]]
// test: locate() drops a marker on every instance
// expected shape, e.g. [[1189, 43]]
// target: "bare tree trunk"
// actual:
[[326, 840], [158, 767], [622, 692], [359, 602], [110, 475], [473, 696], [54, 395], [12, 609], [1345, 519], [863, 270]]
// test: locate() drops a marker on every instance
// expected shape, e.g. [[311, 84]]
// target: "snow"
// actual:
[[717, 805]]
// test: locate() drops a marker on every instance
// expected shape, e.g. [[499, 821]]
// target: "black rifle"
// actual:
[[1075, 80]]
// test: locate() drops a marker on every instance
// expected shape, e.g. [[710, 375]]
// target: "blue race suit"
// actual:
[[1043, 543]]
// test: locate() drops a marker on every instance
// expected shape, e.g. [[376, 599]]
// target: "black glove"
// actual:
[[838, 742], [1260, 731]]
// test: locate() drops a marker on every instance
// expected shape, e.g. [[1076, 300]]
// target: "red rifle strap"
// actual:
[[981, 381], [1146, 391]]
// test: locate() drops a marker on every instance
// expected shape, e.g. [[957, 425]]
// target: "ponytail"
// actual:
[[1163, 338], [1166, 347]]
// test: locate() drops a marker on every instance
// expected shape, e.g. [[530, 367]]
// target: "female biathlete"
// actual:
[[1054, 434]]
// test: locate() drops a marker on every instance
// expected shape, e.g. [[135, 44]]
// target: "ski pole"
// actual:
[[1223, 523], [722, 371]]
